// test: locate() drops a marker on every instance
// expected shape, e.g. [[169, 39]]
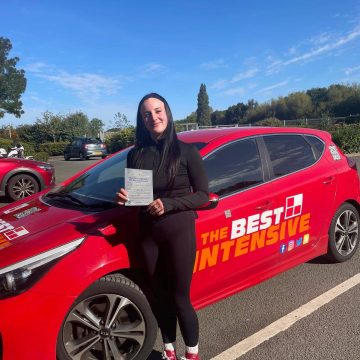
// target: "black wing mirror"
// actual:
[[211, 204]]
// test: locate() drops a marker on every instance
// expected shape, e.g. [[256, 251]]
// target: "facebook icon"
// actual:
[[283, 248]]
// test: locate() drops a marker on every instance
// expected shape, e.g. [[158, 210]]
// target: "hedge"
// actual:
[[121, 139], [347, 138], [53, 148]]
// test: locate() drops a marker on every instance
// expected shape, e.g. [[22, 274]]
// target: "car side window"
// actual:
[[234, 167], [317, 145], [289, 153]]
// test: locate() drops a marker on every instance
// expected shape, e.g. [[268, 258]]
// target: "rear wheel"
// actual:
[[110, 320], [22, 185], [344, 233], [66, 156]]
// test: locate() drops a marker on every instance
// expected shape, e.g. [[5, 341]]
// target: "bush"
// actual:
[[53, 148], [5, 143], [347, 138], [41, 156], [121, 139], [269, 122]]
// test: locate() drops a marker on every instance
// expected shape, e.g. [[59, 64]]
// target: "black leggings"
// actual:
[[169, 248]]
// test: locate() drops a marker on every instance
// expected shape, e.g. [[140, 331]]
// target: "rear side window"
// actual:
[[234, 167], [289, 153], [317, 145]]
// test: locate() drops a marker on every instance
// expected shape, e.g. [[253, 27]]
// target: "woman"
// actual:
[[168, 223]]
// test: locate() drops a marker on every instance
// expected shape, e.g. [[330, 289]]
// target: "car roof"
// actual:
[[211, 134]]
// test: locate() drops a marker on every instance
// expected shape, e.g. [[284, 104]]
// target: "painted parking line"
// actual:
[[286, 321]]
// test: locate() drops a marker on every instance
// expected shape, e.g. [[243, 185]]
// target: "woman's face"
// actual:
[[154, 116]]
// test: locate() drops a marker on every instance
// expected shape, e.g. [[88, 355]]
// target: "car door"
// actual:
[[305, 183], [235, 241], [75, 147]]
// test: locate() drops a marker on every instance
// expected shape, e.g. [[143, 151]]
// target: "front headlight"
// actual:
[[47, 167], [16, 278]]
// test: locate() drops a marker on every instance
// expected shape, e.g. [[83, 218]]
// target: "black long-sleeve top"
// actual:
[[190, 188]]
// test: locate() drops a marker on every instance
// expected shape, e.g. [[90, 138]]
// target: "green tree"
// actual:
[[218, 117], [299, 105], [203, 112], [12, 81], [96, 126], [235, 114], [121, 121], [76, 124], [51, 126]]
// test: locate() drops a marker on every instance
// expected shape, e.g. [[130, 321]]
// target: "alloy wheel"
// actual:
[[346, 232], [104, 326]]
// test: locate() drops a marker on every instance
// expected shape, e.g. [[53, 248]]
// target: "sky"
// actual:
[[101, 56]]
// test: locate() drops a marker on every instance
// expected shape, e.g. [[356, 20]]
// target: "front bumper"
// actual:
[[29, 325]]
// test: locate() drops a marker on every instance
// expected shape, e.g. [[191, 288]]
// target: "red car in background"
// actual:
[[20, 178], [71, 272]]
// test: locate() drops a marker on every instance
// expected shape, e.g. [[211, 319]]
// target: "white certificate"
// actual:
[[139, 186]]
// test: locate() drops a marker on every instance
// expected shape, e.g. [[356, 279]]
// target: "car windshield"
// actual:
[[95, 188]]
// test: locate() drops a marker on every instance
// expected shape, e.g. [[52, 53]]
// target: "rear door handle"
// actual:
[[265, 205], [329, 180]]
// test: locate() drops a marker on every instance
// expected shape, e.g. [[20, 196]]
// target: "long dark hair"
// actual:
[[170, 148]]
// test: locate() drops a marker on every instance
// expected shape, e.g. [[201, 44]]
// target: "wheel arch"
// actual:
[[20, 171], [354, 203]]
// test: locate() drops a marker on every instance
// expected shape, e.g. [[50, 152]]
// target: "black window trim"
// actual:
[[264, 166], [268, 160]]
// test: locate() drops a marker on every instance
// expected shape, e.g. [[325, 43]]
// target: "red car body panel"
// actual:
[[239, 243], [14, 166]]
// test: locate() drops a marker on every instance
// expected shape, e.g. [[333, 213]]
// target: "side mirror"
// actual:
[[211, 204]]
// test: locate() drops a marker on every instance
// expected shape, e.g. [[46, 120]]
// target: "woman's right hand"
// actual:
[[122, 196]]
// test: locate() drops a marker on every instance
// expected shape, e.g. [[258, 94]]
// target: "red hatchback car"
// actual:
[[71, 272], [20, 178]]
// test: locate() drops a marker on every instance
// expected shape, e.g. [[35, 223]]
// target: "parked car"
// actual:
[[70, 258], [84, 148], [20, 178]]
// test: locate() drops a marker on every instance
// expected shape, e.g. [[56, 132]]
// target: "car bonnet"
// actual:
[[32, 227]]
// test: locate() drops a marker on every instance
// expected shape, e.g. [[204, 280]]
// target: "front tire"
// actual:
[[110, 320], [344, 233], [22, 185]]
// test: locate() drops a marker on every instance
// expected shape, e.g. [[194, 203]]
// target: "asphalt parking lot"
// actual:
[[329, 332]]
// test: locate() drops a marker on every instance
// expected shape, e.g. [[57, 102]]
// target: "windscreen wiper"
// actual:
[[65, 195]]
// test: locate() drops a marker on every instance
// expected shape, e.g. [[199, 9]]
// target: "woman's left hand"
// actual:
[[156, 208]]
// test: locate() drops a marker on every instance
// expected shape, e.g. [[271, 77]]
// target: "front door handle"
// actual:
[[329, 180], [265, 205]]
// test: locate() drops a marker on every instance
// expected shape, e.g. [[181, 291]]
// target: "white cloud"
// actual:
[[85, 85], [275, 86], [151, 69], [351, 70], [213, 65], [325, 44], [234, 91], [220, 84], [245, 75], [37, 67], [320, 39], [292, 50]]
